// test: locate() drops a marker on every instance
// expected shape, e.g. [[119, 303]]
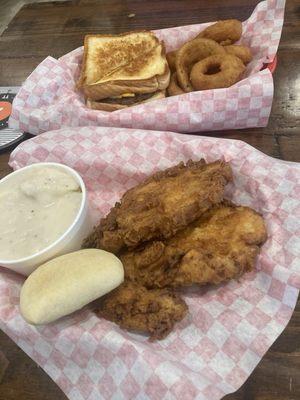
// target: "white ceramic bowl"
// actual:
[[69, 241]]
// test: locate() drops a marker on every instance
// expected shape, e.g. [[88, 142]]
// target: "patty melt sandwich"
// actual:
[[123, 70]]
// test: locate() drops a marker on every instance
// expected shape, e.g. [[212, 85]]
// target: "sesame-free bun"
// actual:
[[67, 283]]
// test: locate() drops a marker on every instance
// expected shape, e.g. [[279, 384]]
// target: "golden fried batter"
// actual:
[[174, 230], [174, 89], [133, 307], [242, 52], [191, 53], [171, 58], [218, 71], [224, 32], [221, 245], [162, 205]]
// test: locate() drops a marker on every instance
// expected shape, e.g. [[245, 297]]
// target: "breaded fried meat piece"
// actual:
[[220, 245], [135, 308], [162, 205]]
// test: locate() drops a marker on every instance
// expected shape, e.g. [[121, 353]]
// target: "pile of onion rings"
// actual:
[[209, 61]]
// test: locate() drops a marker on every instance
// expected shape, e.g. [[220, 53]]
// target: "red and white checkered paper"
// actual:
[[48, 99], [229, 327]]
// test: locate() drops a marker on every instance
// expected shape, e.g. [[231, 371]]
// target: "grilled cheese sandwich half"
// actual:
[[123, 66]]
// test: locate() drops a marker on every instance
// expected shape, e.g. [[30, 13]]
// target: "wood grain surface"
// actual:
[[55, 28]]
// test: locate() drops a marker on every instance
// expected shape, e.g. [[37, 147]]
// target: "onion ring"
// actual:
[[189, 54], [241, 52], [217, 71], [224, 32], [174, 89], [171, 58]]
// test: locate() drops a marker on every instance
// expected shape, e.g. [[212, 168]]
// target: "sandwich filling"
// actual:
[[128, 101]]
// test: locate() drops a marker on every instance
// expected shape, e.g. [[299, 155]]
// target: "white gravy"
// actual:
[[36, 208]]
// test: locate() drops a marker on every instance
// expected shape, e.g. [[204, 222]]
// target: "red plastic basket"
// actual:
[[272, 65]]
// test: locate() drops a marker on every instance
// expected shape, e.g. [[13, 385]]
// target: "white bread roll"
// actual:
[[67, 283]]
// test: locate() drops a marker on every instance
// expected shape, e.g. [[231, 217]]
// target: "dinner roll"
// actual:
[[67, 283]]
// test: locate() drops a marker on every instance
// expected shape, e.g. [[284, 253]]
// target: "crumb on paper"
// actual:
[[131, 15]]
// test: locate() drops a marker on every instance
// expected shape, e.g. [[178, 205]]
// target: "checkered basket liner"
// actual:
[[229, 328]]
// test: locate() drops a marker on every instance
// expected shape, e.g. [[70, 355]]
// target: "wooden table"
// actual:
[[54, 28]]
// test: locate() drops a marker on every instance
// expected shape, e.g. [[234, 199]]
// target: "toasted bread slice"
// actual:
[[133, 62], [113, 106]]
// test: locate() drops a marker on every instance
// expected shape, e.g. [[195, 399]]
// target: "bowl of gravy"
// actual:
[[43, 213]]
